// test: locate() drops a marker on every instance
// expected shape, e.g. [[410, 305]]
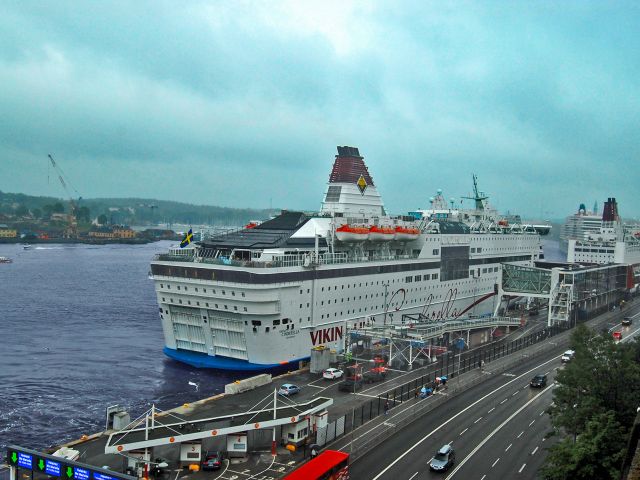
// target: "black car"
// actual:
[[212, 461], [627, 321], [350, 385], [539, 381]]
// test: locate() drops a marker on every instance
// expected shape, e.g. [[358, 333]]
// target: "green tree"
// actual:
[[102, 219], [58, 207], [37, 213], [83, 214], [597, 453], [22, 211]]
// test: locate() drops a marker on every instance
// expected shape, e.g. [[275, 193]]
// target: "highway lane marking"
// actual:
[[503, 401], [463, 431], [413, 476], [443, 424], [515, 393], [316, 386], [478, 420], [494, 463], [227, 461], [483, 477], [496, 430], [542, 413], [534, 451], [532, 422], [509, 374], [491, 410], [520, 434], [506, 449], [522, 467]]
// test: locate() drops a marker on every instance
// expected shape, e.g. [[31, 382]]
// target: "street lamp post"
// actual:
[[460, 344]]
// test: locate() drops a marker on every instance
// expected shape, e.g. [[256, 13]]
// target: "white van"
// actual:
[[567, 356]]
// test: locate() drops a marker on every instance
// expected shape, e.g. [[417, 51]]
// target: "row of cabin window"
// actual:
[[204, 290], [418, 278], [215, 305]]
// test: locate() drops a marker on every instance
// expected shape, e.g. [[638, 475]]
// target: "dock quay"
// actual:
[[352, 421]]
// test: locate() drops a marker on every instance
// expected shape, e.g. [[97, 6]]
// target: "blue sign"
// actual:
[[52, 468], [460, 344], [25, 460], [80, 473], [102, 476]]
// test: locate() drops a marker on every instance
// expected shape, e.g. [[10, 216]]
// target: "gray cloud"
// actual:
[[243, 103]]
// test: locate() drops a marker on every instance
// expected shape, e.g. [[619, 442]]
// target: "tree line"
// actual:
[[594, 407]]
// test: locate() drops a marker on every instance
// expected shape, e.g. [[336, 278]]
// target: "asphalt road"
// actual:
[[498, 429]]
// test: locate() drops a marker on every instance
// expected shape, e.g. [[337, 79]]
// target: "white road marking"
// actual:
[[520, 434], [463, 431], [413, 476], [491, 410], [494, 463], [496, 430], [509, 374], [503, 401], [532, 422], [478, 420], [366, 395], [410, 449], [316, 386], [542, 413], [522, 467], [515, 393], [506, 449], [534, 451], [483, 477]]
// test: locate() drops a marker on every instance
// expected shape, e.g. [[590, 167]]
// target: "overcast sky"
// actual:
[[243, 103]]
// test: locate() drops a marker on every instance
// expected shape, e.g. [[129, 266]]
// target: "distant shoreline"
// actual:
[[39, 241]]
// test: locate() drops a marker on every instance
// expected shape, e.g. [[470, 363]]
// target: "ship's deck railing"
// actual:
[[278, 261]]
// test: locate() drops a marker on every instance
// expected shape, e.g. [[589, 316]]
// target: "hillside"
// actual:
[[131, 211]]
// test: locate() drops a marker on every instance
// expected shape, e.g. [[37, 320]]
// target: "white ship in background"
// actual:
[[614, 242], [579, 225], [263, 296]]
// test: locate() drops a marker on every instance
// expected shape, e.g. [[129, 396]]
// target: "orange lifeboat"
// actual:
[[349, 233], [405, 233], [250, 225], [503, 223], [381, 234]]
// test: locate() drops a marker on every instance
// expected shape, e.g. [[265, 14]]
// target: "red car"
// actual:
[[617, 335]]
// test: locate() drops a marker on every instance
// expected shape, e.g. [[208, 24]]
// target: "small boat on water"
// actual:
[[5, 260], [26, 246]]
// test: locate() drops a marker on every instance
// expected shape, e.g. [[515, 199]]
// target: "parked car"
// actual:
[[443, 459], [627, 321], [539, 381], [212, 461], [350, 385], [288, 389], [332, 373], [567, 356]]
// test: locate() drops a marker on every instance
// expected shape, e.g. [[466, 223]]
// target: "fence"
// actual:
[[332, 431], [497, 357]]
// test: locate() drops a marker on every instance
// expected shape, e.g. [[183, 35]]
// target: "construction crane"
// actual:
[[72, 229]]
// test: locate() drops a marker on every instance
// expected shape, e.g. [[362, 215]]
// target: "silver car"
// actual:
[[443, 459]]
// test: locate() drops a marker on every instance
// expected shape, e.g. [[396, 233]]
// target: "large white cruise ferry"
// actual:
[[614, 242], [264, 296]]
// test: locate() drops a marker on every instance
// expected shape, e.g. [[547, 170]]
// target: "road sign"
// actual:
[[19, 457]]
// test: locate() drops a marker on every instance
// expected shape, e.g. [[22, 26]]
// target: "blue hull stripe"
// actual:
[[202, 360]]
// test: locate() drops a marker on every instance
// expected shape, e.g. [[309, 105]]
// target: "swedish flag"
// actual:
[[188, 238]]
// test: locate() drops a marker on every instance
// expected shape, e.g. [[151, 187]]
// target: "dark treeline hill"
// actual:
[[131, 211]]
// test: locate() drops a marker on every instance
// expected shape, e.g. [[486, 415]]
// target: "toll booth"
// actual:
[[297, 433], [237, 444], [190, 453]]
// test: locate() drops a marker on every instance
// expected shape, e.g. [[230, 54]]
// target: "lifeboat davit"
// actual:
[[381, 234], [405, 233], [349, 233]]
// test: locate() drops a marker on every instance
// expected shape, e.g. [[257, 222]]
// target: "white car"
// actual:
[[567, 356], [332, 373]]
